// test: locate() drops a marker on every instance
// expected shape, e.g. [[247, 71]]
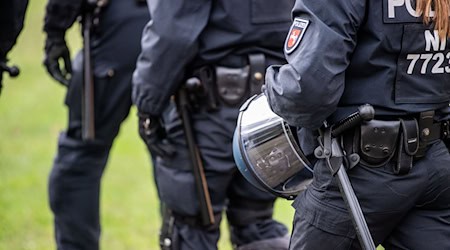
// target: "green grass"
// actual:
[[31, 116]]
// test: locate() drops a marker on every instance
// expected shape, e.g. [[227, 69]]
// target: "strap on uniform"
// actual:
[[167, 235], [425, 127], [257, 72]]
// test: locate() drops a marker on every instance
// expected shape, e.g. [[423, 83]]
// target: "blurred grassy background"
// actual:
[[31, 115]]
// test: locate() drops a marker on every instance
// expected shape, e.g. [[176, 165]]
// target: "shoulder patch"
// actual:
[[295, 34]]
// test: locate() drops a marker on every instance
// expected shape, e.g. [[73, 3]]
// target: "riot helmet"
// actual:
[[266, 151]]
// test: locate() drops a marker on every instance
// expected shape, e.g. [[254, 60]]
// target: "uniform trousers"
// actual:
[[410, 211]]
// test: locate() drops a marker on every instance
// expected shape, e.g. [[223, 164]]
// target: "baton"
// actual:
[[365, 113], [88, 115], [206, 211]]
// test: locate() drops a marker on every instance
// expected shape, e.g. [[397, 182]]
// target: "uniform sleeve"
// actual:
[[60, 15], [307, 90], [12, 14], [169, 43]]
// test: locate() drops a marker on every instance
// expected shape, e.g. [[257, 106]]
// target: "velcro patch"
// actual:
[[296, 32]]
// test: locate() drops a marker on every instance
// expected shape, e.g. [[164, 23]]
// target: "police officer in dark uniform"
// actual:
[[394, 56], [74, 182], [226, 45], [12, 14]]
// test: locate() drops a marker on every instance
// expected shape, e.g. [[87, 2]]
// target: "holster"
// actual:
[[228, 86], [204, 94]]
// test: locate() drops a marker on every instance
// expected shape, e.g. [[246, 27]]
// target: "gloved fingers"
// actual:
[[55, 72], [67, 62]]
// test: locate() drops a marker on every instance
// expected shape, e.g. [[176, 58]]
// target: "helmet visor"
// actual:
[[270, 150]]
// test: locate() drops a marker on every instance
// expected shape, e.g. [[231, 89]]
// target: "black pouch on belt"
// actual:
[[378, 141], [234, 85], [407, 146]]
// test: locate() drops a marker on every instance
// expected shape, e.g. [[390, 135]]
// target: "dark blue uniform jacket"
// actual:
[[189, 33], [354, 52]]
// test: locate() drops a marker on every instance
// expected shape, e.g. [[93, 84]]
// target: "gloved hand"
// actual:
[[56, 49], [2, 61], [1, 79], [153, 133]]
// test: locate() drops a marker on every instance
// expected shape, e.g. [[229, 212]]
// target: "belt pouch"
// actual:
[[232, 84], [407, 146], [378, 141]]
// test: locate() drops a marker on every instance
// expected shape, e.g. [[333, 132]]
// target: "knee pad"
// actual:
[[69, 182], [73, 151], [76, 165], [279, 243], [170, 179], [258, 231], [245, 212], [55, 191]]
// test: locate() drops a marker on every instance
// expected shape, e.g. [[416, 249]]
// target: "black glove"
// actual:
[[56, 49], [153, 133], [1, 79], [2, 61]]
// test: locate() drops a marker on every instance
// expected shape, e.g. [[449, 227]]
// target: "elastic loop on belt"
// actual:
[[257, 72]]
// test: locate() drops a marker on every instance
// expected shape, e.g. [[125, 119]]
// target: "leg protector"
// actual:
[[280, 243], [251, 222]]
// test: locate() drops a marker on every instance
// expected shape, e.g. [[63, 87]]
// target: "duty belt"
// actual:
[[403, 140], [212, 85]]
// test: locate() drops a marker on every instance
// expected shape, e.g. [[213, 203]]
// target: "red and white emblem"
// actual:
[[295, 35]]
